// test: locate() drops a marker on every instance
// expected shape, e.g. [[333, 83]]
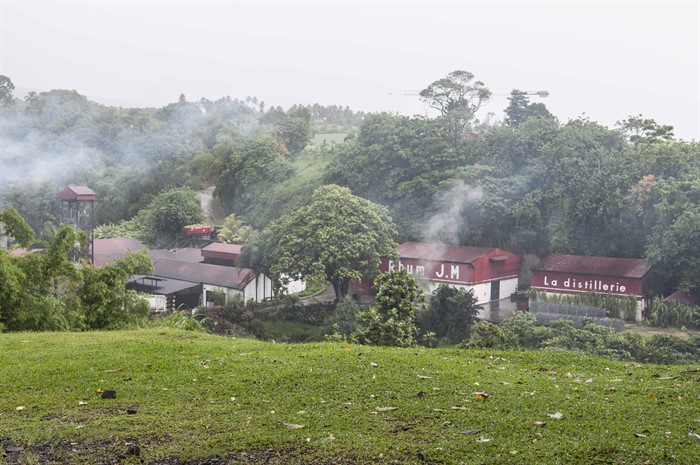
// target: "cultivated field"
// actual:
[[185, 397]]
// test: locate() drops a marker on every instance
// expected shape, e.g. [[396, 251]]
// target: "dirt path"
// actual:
[[205, 198]]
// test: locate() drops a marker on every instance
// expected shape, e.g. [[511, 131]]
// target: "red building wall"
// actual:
[[568, 282], [494, 265]]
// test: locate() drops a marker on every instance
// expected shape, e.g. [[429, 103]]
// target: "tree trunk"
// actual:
[[341, 288]]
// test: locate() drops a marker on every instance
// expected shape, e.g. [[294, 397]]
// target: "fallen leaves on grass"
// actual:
[[384, 409], [480, 395], [555, 416], [292, 425]]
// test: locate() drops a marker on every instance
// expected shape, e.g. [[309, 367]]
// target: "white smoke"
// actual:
[[445, 225]]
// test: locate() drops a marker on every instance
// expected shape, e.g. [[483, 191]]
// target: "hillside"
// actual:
[[186, 397]]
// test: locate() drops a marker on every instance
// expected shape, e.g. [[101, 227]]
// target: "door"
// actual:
[[495, 290]]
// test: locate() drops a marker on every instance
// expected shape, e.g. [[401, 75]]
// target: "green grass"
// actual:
[[309, 166], [198, 395]]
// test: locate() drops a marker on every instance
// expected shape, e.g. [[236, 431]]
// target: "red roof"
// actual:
[[186, 254], [442, 252], [73, 192], [222, 247], [106, 251], [224, 276], [602, 266], [682, 298], [222, 251]]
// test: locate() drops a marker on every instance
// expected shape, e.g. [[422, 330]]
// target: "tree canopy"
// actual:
[[337, 235]]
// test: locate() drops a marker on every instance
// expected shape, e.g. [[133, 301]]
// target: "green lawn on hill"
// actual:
[[186, 397]]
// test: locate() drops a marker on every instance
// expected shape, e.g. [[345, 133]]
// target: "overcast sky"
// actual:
[[605, 61]]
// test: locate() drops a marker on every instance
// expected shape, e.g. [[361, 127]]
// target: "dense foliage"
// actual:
[[450, 314], [47, 290], [530, 184], [392, 322], [521, 332], [337, 236]]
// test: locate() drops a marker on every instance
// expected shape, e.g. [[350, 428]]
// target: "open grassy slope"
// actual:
[[184, 396]]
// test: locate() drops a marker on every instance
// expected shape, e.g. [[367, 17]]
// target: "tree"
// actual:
[[337, 236], [234, 230], [393, 321], [520, 109], [456, 92], [16, 227], [102, 294], [249, 174], [6, 90], [643, 132], [675, 242], [171, 210], [451, 313], [457, 99]]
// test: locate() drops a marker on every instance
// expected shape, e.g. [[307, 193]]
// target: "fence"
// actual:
[[546, 312]]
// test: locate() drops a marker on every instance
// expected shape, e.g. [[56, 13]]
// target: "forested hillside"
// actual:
[[531, 184]]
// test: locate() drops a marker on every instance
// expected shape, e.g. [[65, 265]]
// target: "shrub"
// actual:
[[674, 314], [486, 335], [343, 321], [667, 349], [393, 321], [450, 314], [522, 332]]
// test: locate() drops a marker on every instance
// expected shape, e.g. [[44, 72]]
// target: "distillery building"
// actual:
[[574, 274], [491, 272]]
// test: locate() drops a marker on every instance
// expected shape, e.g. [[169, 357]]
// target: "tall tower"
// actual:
[[78, 210]]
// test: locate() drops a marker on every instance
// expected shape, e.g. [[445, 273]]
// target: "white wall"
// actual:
[[295, 287], [158, 303], [207, 288], [482, 291], [259, 289]]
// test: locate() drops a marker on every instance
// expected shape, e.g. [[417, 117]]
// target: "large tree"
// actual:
[[336, 235], [6, 90], [457, 99], [520, 109]]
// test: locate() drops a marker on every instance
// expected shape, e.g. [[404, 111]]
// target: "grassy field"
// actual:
[[184, 397]]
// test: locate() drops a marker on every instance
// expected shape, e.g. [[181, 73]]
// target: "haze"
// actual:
[[604, 61]]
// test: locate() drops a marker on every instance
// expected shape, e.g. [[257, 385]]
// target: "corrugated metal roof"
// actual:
[[122, 244], [164, 286], [602, 266], [106, 251], [225, 276], [223, 248], [186, 254], [442, 252]]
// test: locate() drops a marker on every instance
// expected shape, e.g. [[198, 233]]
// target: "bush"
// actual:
[[674, 314], [393, 321], [343, 321], [486, 335], [450, 314], [666, 349], [522, 332]]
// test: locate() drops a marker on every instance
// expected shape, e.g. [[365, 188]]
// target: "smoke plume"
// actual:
[[445, 225]]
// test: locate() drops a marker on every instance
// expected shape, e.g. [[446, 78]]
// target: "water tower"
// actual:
[[78, 210]]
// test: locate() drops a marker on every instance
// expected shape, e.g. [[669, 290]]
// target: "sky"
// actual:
[[604, 61]]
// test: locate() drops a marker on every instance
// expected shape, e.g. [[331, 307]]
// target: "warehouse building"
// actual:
[[574, 274], [490, 272]]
